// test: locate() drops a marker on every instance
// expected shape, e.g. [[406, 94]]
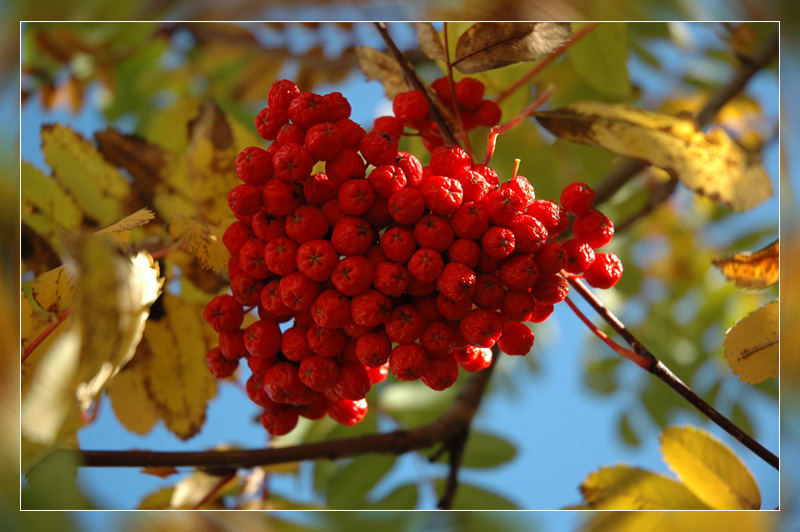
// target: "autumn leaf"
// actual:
[[159, 471], [429, 41], [751, 345], [201, 242], [710, 469], [488, 45], [382, 67], [130, 398], [628, 488], [711, 164], [53, 290], [119, 232], [193, 489], [758, 269], [690, 521], [46, 207]]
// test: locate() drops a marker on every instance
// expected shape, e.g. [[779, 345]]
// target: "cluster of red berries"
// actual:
[[412, 108], [379, 264]]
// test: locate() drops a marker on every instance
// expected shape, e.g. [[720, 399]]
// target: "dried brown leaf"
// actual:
[[429, 41], [488, 45], [757, 269], [382, 67]]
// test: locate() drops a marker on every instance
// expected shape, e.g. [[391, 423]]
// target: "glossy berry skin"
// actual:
[[578, 256], [438, 339], [442, 195], [318, 373], [551, 289], [605, 271], [373, 349], [456, 281], [353, 275], [410, 106], [577, 198], [352, 236], [245, 200], [594, 228], [269, 121], [517, 339], [426, 265], [323, 141], [338, 106], [356, 197], [254, 165], [433, 232], [292, 162], [262, 339], [408, 362], [317, 259], [378, 148], [481, 327], [406, 205], [281, 93], [348, 412], [498, 242], [297, 292], [308, 109], [224, 314], [473, 358], [294, 344]]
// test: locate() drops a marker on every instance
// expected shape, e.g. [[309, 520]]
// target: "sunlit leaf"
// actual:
[[382, 67], [751, 345], [600, 59], [758, 269], [46, 207], [119, 232], [711, 164], [683, 521], [202, 243], [200, 490], [53, 290], [429, 41], [488, 45], [130, 398], [628, 488], [710, 469]]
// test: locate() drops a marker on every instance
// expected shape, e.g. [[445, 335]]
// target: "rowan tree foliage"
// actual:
[[122, 248]]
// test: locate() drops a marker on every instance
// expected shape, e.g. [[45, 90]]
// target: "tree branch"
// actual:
[[456, 452], [454, 421], [414, 81], [656, 198], [618, 177], [657, 368]]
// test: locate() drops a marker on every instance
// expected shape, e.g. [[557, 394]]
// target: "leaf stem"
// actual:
[[456, 106], [664, 374], [555, 54], [45, 333], [491, 140]]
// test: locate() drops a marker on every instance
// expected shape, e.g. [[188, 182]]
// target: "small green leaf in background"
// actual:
[[600, 59], [485, 451], [401, 498], [469, 497], [348, 487]]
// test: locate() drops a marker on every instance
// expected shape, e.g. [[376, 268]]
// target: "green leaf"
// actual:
[[485, 451], [629, 435], [402, 498], [600, 59], [470, 497], [414, 404], [348, 487]]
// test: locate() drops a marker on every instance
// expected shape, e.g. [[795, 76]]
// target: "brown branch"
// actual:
[[414, 81], [456, 452], [618, 177], [454, 421], [661, 371], [656, 198]]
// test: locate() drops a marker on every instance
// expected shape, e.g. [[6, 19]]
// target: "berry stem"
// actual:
[[45, 333], [555, 54], [657, 368], [215, 489], [456, 106], [491, 141], [413, 80]]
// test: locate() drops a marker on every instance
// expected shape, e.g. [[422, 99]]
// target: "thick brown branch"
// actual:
[[456, 450], [454, 421], [661, 371], [414, 81], [618, 177]]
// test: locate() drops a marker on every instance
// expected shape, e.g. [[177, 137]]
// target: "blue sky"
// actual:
[[562, 432]]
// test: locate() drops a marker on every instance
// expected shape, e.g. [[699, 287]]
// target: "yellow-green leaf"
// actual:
[[172, 360], [751, 345], [98, 188], [202, 243], [629, 488], [46, 207], [758, 269], [130, 398], [119, 232], [53, 290], [710, 469], [711, 164], [382, 67], [600, 59]]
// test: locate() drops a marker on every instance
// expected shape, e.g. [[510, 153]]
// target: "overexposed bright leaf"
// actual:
[[751, 345], [53, 290], [429, 41], [629, 488], [191, 490], [98, 188], [710, 469], [488, 45], [382, 67], [758, 269], [711, 164]]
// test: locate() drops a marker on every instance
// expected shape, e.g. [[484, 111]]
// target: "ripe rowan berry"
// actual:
[[266, 226], [410, 106], [281, 197], [442, 373], [269, 121], [386, 180], [223, 313], [254, 165], [594, 228], [551, 258], [353, 275], [577, 198], [231, 345], [519, 272], [433, 232], [456, 281], [347, 165], [219, 366], [481, 327], [353, 382], [438, 339], [262, 339], [426, 265], [373, 349], [316, 259], [498, 242], [488, 113], [235, 236], [411, 167], [297, 292], [347, 412], [408, 362], [371, 308], [503, 205], [550, 214], [473, 358], [308, 109], [529, 233], [469, 93], [390, 125], [391, 279], [449, 160], [453, 309], [517, 339], [550, 289], [306, 223], [318, 373], [442, 195], [326, 342], [398, 244], [405, 325], [338, 106], [352, 236], [245, 200], [251, 259], [292, 162], [464, 251], [290, 133], [406, 205], [294, 344], [331, 309], [281, 93], [605, 271], [488, 291], [279, 420], [356, 197], [379, 148]]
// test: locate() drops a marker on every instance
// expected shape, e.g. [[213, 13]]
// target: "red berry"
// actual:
[[281, 197], [473, 358], [281, 255], [438, 339], [235, 236], [254, 165], [268, 227], [231, 345], [373, 349], [449, 160], [297, 292], [519, 272], [386, 180], [504, 205], [522, 188], [442, 88], [550, 214], [332, 211], [306, 223], [488, 113], [269, 121], [410, 106], [488, 291], [529, 233], [323, 141], [326, 342], [370, 308], [219, 366], [605, 271], [408, 362], [331, 309], [308, 109], [245, 289], [281, 93], [318, 189], [411, 168], [390, 125], [353, 275], [290, 133], [405, 325], [498, 242], [347, 412], [279, 420], [577, 198], [540, 313], [294, 344], [475, 186], [347, 165], [315, 410], [551, 258], [578, 256], [352, 236], [245, 200], [471, 221], [263, 339], [353, 383], [481, 327], [594, 228], [378, 374], [433, 232], [442, 195], [453, 309], [464, 251], [469, 93], [351, 133], [292, 162], [251, 259], [517, 339], [338, 106], [254, 388], [426, 265], [224, 314], [551, 289], [356, 197], [517, 306], [456, 281], [398, 244], [379, 148], [391, 279], [441, 374], [316, 259], [318, 373], [406, 205], [270, 300]]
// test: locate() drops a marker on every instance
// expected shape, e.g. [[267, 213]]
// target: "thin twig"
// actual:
[[454, 420], [656, 198], [555, 54], [618, 177], [414, 81], [456, 450], [45, 333], [214, 490], [495, 131], [456, 106], [661, 371]]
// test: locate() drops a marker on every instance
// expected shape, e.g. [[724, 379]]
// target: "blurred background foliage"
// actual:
[[134, 73]]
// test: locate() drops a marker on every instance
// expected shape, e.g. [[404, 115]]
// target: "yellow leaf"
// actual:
[[172, 361], [157, 500], [130, 398], [382, 67], [119, 232], [759, 269], [202, 243], [429, 41], [46, 207], [751, 345], [680, 521], [31, 362], [488, 45], [628, 488], [97, 187], [710, 469], [53, 290], [711, 164]]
